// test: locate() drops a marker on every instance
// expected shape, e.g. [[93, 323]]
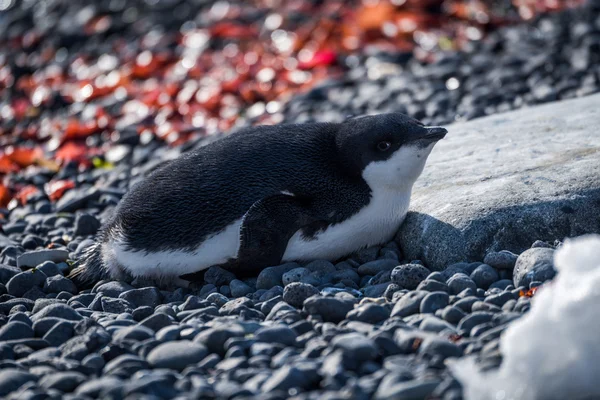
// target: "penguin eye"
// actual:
[[384, 145]]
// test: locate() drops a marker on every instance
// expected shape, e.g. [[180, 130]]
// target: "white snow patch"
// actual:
[[552, 352]]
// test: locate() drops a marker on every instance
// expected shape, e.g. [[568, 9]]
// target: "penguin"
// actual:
[[262, 196]]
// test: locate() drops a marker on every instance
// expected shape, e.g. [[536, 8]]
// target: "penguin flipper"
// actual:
[[266, 229]]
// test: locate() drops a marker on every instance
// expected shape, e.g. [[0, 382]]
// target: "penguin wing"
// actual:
[[267, 227]]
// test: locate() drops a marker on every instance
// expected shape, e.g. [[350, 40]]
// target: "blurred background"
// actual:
[[86, 87]]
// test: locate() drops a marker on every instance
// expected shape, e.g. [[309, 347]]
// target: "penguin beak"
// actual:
[[434, 133]]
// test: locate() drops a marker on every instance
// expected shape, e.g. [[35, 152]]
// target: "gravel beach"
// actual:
[[377, 325]]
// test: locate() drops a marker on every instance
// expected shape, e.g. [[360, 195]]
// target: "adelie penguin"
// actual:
[[263, 196]]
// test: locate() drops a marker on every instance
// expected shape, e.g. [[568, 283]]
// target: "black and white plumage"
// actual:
[[266, 195]]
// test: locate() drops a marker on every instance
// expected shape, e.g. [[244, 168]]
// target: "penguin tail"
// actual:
[[89, 269]]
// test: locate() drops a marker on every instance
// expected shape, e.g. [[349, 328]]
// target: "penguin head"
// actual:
[[387, 150]]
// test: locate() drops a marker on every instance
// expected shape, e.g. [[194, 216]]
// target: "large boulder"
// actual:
[[504, 181]]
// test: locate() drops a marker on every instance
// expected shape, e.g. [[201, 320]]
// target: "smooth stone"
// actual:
[[434, 301], [21, 283], [355, 346], [16, 330], [484, 275], [488, 186], [331, 309], [58, 310], [535, 264], [58, 283], [374, 267], [12, 379], [86, 224], [239, 288], [36, 257], [177, 355], [460, 282], [65, 382], [502, 259], [113, 288], [276, 334], [59, 333], [148, 296], [408, 304]]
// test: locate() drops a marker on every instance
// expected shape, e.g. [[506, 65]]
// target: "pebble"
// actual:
[[59, 333], [239, 288], [459, 282], [408, 276], [58, 283], [355, 346], [408, 304], [12, 379], [16, 330], [434, 301], [484, 275], [36, 257], [503, 259], [330, 309], [296, 293], [535, 264], [86, 224], [149, 297], [177, 355], [64, 382], [58, 310], [21, 283]]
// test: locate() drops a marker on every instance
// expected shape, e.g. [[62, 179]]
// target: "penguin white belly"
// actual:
[[374, 224], [215, 250]]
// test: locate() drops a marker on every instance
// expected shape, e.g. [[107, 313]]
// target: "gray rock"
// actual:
[[19, 284], [295, 293], [535, 264], [12, 379], [484, 276], [239, 288], [177, 355], [113, 289], [157, 321], [218, 276], [501, 284], [58, 283], [272, 276], [36, 257], [86, 224], [331, 309], [59, 333], [355, 346], [58, 310], [409, 390], [7, 272], [408, 276], [94, 387], [453, 314], [148, 296], [295, 275], [377, 266], [214, 338], [15, 330], [287, 377], [136, 332], [474, 319], [499, 183], [502, 259], [370, 313], [65, 382], [440, 347], [276, 334], [434, 301], [408, 304], [431, 285], [460, 282], [115, 306]]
